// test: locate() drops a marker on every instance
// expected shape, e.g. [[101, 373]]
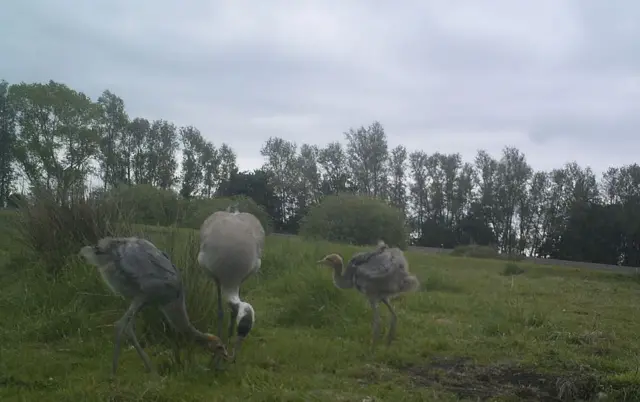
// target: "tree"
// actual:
[[161, 157], [308, 186], [192, 170], [228, 164], [282, 164], [7, 140], [114, 152], [138, 132], [57, 138], [418, 191], [255, 185], [512, 177], [398, 188], [333, 164], [210, 163], [367, 152], [487, 168]]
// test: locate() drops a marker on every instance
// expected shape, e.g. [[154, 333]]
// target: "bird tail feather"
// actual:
[[410, 284]]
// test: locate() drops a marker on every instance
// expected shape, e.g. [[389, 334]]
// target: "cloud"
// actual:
[[558, 79]]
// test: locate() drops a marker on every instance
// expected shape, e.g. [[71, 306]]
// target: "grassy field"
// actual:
[[470, 333]]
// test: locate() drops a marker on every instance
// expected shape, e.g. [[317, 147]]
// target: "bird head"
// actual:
[[92, 254], [331, 260], [216, 347], [245, 319]]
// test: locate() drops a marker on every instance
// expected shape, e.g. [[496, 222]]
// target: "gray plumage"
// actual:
[[135, 269], [231, 245], [380, 275]]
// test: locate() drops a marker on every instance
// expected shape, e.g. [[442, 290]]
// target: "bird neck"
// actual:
[[232, 296], [341, 280], [176, 313]]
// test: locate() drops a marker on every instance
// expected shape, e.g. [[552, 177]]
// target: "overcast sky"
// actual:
[[559, 79]]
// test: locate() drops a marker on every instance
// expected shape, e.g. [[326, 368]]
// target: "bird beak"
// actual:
[[322, 261], [217, 357]]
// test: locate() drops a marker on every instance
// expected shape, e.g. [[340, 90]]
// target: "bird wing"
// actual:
[[381, 263], [362, 258], [147, 266]]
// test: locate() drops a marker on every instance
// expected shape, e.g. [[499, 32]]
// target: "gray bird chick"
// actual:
[[135, 269], [231, 245], [380, 275]]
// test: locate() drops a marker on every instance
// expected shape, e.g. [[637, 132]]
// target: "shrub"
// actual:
[[511, 268], [52, 231], [353, 219], [147, 204], [150, 205], [195, 211]]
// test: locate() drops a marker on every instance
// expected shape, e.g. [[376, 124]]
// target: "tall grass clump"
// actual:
[[354, 219], [52, 230]]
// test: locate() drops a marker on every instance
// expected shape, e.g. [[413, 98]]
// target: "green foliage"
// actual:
[[57, 136], [355, 219], [196, 210]]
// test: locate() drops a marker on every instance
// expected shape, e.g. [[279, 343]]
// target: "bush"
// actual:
[[52, 231], [353, 219], [511, 268], [195, 211], [147, 204]]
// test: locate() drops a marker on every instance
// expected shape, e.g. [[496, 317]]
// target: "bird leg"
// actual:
[[220, 310], [232, 320], [392, 325], [121, 326], [217, 360], [131, 332], [375, 326], [237, 348]]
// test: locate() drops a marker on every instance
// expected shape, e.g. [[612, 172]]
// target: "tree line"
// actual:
[[55, 138]]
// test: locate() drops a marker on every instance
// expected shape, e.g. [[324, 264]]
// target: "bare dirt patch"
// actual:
[[508, 380]]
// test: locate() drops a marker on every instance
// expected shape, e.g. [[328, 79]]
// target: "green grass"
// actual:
[[471, 331]]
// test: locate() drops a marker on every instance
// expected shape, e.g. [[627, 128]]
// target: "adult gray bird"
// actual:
[[379, 275], [135, 269], [231, 245]]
